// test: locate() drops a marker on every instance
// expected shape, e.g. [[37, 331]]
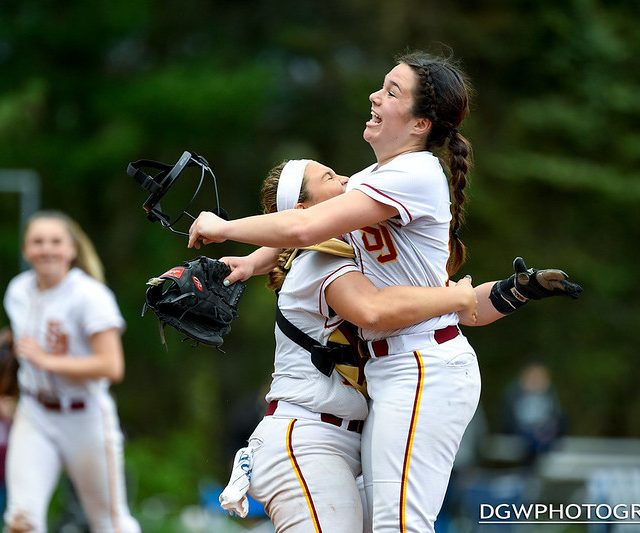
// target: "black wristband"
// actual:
[[505, 297]]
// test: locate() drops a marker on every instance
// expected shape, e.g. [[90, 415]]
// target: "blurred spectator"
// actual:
[[5, 426], [8, 395], [532, 410]]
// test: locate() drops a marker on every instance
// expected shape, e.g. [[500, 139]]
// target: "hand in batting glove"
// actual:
[[527, 284]]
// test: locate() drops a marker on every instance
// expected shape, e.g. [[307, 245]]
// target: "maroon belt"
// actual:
[[381, 348], [52, 403], [354, 425]]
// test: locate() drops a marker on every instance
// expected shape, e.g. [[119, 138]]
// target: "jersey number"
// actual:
[[379, 240]]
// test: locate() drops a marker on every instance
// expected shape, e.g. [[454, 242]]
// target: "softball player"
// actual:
[[306, 451], [404, 224], [67, 328]]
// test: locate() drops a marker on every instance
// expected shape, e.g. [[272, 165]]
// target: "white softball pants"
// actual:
[[421, 403], [87, 444], [304, 473]]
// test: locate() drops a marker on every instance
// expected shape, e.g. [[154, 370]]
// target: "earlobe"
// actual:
[[422, 126], [299, 205]]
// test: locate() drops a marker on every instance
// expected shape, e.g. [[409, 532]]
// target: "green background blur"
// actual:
[[86, 87]]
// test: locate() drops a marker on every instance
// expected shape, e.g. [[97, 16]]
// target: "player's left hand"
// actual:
[[207, 228], [526, 284], [536, 283]]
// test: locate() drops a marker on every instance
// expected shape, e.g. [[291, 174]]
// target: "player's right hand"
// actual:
[[242, 268], [207, 228]]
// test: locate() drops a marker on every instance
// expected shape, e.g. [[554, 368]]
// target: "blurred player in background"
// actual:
[[67, 337], [8, 397]]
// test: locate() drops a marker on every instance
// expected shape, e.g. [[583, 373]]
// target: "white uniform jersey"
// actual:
[[302, 302], [62, 320], [412, 248]]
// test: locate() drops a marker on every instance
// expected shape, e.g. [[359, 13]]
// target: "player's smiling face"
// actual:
[[49, 249], [390, 131], [322, 183]]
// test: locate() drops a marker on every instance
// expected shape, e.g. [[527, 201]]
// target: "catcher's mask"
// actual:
[[160, 183]]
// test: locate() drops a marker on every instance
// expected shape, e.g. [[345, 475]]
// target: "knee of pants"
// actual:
[[22, 522]]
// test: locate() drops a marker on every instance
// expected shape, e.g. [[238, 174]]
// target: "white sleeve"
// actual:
[[15, 304], [338, 267], [100, 310], [9, 303], [423, 193]]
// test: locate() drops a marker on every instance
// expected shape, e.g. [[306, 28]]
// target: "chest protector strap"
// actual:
[[324, 358]]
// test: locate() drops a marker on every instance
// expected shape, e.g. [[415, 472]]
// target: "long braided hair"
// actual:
[[442, 95], [269, 201]]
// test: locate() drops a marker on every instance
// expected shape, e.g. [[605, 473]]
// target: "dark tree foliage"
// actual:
[[87, 87]]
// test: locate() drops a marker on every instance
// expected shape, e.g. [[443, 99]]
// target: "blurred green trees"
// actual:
[[87, 87]]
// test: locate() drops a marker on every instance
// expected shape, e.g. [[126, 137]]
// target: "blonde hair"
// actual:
[[269, 202], [87, 258]]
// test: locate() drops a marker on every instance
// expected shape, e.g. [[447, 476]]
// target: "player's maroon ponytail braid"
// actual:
[[442, 95], [459, 165]]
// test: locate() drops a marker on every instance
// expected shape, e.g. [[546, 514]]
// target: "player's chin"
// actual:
[[371, 135]]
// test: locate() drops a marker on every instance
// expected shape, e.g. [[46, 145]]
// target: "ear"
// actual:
[[422, 126], [299, 205]]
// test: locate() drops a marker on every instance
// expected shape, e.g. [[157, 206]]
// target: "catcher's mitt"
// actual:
[[192, 299], [527, 284]]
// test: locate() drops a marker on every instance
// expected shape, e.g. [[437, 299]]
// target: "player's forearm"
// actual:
[[264, 260], [487, 313], [287, 229], [357, 300], [399, 306], [294, 228], [93, 366]]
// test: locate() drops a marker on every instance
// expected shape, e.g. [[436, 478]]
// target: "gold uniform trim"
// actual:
[[332, 246], [303, 482], [412, 432]]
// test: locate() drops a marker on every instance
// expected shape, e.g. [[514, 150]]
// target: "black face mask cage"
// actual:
[[160, 184]]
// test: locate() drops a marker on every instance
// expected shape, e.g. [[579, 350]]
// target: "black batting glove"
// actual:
[[527, 284]]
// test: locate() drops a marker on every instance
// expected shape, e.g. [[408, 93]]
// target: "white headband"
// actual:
[[290, 183]]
